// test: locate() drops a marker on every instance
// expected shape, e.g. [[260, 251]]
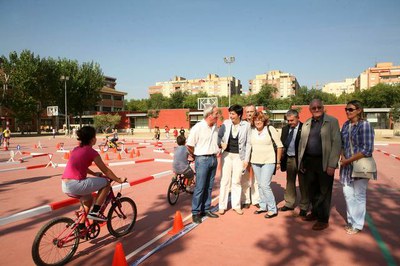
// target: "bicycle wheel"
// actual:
[[173, 191], [55, 243], [121, 217], [105, 148]]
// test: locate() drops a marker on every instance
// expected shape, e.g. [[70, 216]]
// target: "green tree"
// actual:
[[137, 105], [177, 100], [107, 121], [381, 95], [158, 101]]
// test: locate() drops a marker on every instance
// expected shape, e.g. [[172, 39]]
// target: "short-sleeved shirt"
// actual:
[[80, 160], [180, 163], [204, 139]]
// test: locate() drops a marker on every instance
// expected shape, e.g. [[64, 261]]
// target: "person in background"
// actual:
[[319, 151], [203, 147], [290, 138], [115, 138], [157, 133], [250, 195], [264, 161], [175, 132], [166, 128], [182, 131], [233, 137], [359, 133]]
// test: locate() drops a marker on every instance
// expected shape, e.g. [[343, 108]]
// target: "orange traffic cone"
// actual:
[[137, 152], [115, 150], [119, 256], [106, 157], [58, 146], [119, 156], [101, 150], [66, 155], [131, 154], [178, 224]]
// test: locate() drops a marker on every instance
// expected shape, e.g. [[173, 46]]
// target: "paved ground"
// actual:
[[229, 240]]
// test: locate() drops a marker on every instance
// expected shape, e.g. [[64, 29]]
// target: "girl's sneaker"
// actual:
[[97, 216]]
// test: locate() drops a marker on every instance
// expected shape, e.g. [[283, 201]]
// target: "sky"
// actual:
[[141, 42]]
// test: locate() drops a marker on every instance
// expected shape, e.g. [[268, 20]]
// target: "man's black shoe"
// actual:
[[303, 213], [210, 214], [284, 208], [196, 218]]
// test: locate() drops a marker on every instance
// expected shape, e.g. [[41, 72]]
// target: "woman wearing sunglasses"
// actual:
[[357, 142]]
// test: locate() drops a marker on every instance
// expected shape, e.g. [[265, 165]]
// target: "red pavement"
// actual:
[[229, 240]]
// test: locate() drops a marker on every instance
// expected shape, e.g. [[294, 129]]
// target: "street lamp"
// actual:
[[229, 60], [65, 78]]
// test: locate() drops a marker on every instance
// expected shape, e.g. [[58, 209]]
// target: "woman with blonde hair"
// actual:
[[357, 142], [265, 161]]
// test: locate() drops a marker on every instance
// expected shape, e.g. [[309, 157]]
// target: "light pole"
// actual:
[[229, 60], [65, 78]]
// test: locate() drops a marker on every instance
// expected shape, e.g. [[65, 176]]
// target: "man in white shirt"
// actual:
[[202, 145]]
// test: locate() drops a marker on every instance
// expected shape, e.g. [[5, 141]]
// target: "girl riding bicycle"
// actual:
[[74, 178]]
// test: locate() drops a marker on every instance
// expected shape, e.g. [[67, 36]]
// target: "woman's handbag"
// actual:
[[364, 167], [275, 148]]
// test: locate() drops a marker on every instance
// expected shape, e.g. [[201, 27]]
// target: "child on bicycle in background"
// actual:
[[114, 139], [75, 180], [181, 164]]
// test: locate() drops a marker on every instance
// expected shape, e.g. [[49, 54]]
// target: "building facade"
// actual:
[[286, 83], [213, 85], [337, 88], [385, 73]]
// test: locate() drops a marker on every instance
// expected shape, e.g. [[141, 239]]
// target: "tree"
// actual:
[[137, 105], [158, 101], [107, 121], [381, 95]]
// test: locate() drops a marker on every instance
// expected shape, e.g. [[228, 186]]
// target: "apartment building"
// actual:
[[384, 72], [286, 83], [213, 85], [337, 88]]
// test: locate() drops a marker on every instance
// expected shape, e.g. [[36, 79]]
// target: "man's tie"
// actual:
[[289, 138]]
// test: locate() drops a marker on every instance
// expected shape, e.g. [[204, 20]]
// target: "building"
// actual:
[[213, 85], [384, 73], [337, 88], [111, 99], [286, 83]]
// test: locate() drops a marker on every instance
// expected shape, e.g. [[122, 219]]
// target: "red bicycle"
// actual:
[[58, 240]]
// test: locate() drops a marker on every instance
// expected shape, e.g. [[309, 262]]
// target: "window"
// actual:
[[141, 122], [106, 109], [106, 96], [117, 98]]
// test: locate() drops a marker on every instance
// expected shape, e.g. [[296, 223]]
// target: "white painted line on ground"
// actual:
[[162, 174], [25, 214], [164, 160]]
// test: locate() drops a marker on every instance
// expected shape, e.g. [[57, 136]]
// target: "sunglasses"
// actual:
[[350, 110], [314, 108]]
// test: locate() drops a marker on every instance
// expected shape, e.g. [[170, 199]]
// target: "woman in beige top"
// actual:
[[263, 161]]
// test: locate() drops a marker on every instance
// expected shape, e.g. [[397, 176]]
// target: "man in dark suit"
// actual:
[[290, 138]]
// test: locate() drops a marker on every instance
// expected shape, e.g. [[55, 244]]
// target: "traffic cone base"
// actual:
[[178, 224], [106, 157], [119, 256]]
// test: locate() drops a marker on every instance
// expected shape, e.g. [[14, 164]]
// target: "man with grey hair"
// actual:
[[290, 138], [319, 150], [202, 144]]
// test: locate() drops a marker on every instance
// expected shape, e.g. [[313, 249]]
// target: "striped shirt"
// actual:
[[362, 139]]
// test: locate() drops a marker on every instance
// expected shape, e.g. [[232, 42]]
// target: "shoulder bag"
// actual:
[[364, 167], [275, 148]]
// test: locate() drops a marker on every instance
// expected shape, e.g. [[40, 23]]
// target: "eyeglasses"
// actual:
[[314, 108], [350, 110]]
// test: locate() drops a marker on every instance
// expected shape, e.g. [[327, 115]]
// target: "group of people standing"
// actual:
[[252, 152]]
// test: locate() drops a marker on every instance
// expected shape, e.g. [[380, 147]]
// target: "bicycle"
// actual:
[[58, 240], [110, 145], [178, 184]]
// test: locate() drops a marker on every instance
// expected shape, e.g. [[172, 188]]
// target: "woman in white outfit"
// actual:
[[233, 138]]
